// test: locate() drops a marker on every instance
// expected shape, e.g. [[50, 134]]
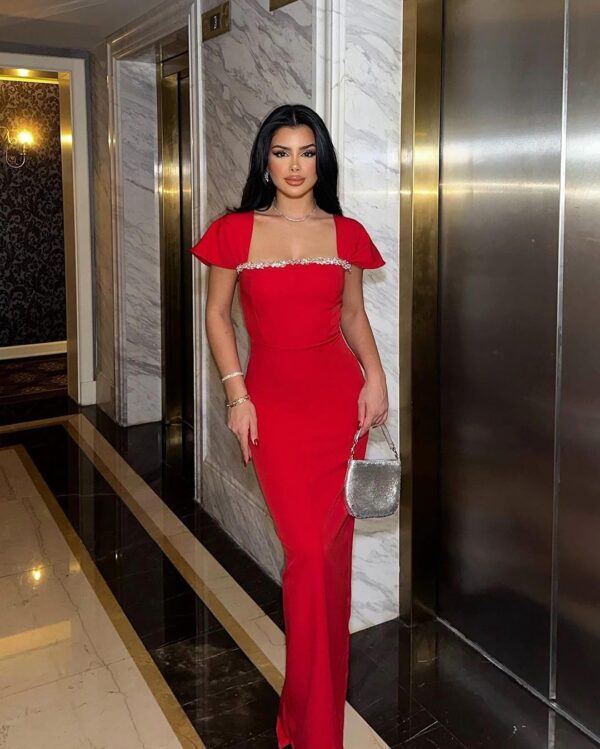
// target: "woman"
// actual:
[[296, 410]]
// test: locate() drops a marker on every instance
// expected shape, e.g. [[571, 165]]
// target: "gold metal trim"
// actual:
[[37, 424], [170, 244], [25, 75], [70, 231], [419, 192], [19, 79], [161, 691]]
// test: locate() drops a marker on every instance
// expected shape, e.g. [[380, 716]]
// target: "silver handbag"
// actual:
[[372, 486]]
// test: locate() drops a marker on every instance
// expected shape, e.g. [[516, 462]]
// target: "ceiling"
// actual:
[[67, 24]]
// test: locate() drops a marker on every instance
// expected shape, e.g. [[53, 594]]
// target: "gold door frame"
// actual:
[[71, 75], [419, 192]]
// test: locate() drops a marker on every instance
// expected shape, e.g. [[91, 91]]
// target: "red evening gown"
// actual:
[[304, 381]]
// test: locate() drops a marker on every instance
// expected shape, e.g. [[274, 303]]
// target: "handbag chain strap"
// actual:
[[386, 435]]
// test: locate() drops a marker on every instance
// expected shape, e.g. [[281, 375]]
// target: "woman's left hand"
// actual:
[[372, 403]]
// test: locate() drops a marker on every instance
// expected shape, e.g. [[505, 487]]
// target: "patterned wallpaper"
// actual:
[[32, 265]]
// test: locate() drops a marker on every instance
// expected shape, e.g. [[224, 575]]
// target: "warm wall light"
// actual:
[[15, 146], [25, 138]]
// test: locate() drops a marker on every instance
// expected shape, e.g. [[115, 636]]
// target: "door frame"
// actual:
[[81, 379], [419, 216]]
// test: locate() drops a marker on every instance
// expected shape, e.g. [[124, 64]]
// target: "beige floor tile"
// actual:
[[29, 537], [15, 482], [105, 707]]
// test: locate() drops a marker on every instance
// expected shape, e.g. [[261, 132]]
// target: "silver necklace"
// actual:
[[289, 218]]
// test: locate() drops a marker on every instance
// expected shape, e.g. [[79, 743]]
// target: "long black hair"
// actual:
[[258, 194]]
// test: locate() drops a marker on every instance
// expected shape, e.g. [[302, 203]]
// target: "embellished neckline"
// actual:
[[321, 259]]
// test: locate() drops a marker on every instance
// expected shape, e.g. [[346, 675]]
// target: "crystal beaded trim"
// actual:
[[250, 265]]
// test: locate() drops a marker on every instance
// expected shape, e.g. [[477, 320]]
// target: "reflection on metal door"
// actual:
[[500, 159], [578, 549], [519, 571], [176, 235]]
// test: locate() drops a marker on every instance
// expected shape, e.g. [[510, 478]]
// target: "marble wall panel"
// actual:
[[371, 125], [141, 349], [104, 298]]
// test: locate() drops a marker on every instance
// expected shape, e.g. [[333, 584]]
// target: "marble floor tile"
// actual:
[[395, 668], [103, 707], [408, 688], [15, 482], [29, 538], [52, 626], [209, 659], [60, 652], [236, 717]]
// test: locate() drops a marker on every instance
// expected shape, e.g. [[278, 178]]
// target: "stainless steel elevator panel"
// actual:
[[578, 665], [499, 221], [176, 223]]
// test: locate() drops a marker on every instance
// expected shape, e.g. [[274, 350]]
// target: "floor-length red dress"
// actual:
[[304, 381]]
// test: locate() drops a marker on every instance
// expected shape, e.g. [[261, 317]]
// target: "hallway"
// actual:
[[132, 619], [141, 558]]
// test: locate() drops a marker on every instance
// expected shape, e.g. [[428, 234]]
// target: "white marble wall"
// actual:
[[140, 351], [371, 178], [133, 366], [104, 291]]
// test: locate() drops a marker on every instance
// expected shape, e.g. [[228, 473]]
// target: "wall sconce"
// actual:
[[15, 146]]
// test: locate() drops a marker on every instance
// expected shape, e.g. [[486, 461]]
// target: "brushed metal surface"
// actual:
[[176, 237], [499, 204], [421, 81], [170, 247], [578, 631], [186, 258]]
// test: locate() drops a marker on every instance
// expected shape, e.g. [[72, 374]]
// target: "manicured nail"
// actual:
[[256, 441]]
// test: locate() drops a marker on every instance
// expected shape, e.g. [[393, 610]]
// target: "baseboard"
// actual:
[[33, 349]]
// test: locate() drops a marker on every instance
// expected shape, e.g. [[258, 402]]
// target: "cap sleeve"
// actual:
[[364, 253], [215, 247]]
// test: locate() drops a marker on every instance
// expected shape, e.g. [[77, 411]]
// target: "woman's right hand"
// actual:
[[243, 423]]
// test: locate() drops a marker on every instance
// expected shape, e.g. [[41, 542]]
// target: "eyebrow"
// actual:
[[277, 145]]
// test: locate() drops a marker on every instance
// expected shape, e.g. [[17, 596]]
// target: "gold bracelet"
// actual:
[[241, 399], [231, 374]]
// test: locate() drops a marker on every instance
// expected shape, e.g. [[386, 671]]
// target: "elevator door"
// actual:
[[519, 377], [178, 391], [578, 550]]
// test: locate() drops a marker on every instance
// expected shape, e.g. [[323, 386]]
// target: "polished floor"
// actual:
[[131, 619]]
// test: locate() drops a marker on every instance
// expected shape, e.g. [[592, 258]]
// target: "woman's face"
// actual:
[[292, 161]]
